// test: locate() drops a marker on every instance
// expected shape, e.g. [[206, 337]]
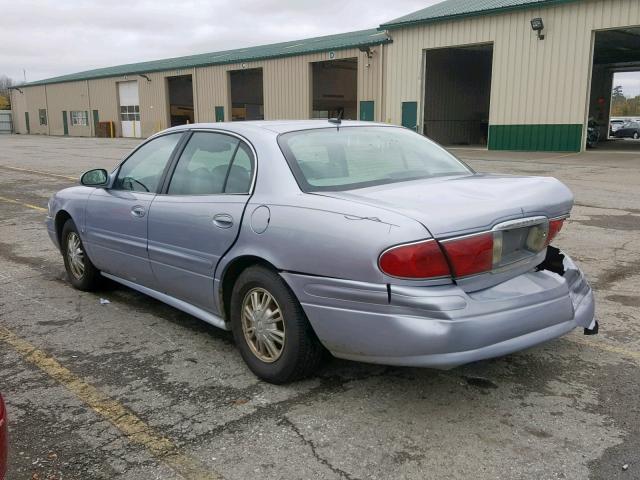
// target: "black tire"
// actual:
[[301, 352], [636, 136], [90, 278]]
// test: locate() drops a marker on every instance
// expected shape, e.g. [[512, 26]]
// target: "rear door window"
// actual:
[[212, 164]]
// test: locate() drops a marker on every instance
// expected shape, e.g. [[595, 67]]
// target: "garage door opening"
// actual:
[[458, 94], [614, 100], [180, 100], [247, 96], [335, 89]]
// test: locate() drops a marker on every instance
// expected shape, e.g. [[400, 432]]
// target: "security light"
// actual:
[[367, 50], [537, 25]]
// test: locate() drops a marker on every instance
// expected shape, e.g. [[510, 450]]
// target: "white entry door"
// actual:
[[129, 109]]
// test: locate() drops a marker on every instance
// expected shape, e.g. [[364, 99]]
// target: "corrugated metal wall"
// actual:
[[103, 96], [18, 107], [35, 100], [534, 81], [72, 96], [287, 93], [287, 84]]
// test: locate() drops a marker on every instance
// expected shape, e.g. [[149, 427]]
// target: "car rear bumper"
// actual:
[[443, 326]]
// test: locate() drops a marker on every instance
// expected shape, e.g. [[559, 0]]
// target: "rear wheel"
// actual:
[[270, 328], [82, 274]]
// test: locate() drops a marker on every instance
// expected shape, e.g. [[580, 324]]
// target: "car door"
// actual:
[[116, 217], [197, 218]]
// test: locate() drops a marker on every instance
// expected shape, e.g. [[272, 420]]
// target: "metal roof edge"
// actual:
[[58, 80], [479, 13]]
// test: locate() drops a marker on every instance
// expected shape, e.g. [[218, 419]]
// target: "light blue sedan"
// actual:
[[367, 240]]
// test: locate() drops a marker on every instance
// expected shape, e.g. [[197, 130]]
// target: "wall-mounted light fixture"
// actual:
[[366, 50], [537, 25], [144, 76]]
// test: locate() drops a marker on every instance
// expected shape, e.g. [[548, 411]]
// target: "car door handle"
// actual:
[[223, 220], [138, 211]]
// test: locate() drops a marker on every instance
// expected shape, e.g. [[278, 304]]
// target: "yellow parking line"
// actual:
[[17, 169], [607, 347], [28, 205], [123, 419]]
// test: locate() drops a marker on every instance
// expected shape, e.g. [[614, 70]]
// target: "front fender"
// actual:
[[73, 201]]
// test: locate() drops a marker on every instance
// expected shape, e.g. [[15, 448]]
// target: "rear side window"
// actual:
[[212, 164], [142, 171]]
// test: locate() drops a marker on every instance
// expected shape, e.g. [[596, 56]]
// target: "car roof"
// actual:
[[275, 126]]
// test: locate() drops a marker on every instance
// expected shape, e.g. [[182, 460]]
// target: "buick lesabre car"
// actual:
[[367, 240]]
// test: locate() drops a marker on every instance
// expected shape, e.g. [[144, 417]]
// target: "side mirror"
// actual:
[[95, 178]]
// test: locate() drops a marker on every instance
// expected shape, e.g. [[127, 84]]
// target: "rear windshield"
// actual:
[[355, 157]]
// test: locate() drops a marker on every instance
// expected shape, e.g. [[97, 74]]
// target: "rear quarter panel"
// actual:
[[317, 235]]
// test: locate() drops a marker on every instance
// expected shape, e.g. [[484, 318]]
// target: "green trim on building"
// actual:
[[546, 137], [328, 43], [459, 9]]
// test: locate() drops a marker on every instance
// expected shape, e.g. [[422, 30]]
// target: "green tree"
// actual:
[[5, 93]]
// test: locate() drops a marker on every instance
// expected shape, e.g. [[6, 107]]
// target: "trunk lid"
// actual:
[[454, 206], [462, 205]]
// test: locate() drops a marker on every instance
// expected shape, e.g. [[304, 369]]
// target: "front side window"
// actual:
[[212, 164], [143, 170], [79, 119], [356, 157], [42, 115]]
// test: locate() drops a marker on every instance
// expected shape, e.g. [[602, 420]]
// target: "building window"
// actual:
[[130, 113], [42, 115], [79, 119]]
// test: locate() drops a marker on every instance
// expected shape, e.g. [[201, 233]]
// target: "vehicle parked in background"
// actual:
[[4, 442], [366, 239], [629, 130], [614, 125], [593, 134]]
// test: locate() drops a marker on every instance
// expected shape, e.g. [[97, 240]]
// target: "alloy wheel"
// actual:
[[75, 255], [263, 325]]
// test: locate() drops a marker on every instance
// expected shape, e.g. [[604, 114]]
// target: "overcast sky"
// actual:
[[55, 37], [630, 82]]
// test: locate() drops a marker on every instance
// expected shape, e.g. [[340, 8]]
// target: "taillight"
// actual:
[[554, 228], [419, 260], [470, 255]]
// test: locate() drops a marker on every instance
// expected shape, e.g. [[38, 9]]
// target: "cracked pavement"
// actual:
[[568, 409]]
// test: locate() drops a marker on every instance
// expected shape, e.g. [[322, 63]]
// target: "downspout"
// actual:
[[46, 105], [196, 113], [381, 83], [89, 112]]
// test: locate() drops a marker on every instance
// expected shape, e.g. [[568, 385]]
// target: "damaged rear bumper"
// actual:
[[444, 326]]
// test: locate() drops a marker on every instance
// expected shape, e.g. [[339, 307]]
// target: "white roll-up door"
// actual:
[[129, 109]]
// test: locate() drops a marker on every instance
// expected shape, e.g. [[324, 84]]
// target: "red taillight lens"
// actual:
[[470, 255], [415, 260], [554, 228]]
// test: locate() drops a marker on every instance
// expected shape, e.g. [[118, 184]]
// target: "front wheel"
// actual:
[[270, 328], [82, 274], [636, 136]]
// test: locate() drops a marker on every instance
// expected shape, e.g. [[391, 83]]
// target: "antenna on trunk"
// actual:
[[338, 120]]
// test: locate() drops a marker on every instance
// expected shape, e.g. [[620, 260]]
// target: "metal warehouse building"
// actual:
[[508, 74]]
